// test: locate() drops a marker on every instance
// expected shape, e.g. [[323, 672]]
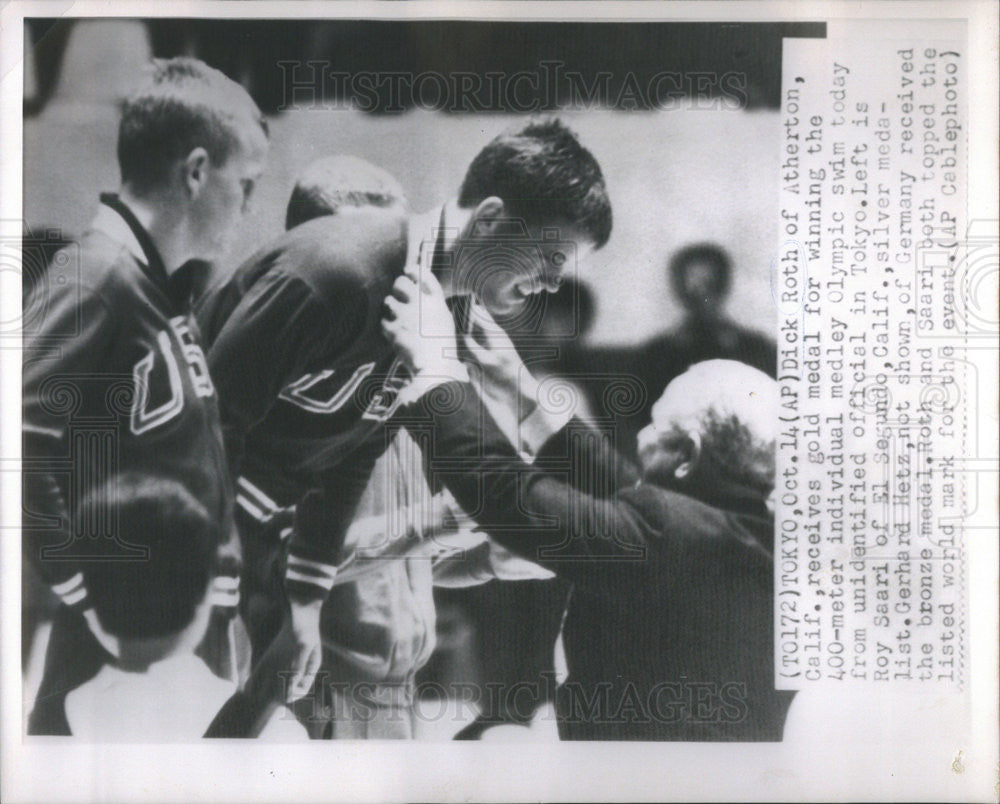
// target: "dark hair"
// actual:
[[542, 173], [184, 104], [155, 595], [333, 182], [709, 253]]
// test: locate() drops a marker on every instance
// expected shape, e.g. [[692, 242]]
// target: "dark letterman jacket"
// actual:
[[114, 381], [668, 634], [306, 379]]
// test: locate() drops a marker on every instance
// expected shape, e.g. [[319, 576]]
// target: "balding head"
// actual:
[[719, 418], [335, 182]]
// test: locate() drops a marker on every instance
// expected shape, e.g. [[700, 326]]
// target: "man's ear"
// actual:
[[691, 446], [196, 171], [487, 217]]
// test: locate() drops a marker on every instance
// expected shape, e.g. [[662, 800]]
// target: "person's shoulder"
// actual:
[[226, 288], [82, 702], [663, 353], [290, 270], [756, 349], [348, 257], [753, 336], [94, 277], [103, 267]]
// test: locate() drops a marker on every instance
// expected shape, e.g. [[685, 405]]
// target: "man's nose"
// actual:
[[644, 435]]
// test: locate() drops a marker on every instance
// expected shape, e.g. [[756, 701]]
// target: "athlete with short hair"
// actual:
[[378, 621], [115, 379], [306, 379]]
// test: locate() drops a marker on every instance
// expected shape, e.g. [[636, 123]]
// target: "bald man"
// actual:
[[669, 632]]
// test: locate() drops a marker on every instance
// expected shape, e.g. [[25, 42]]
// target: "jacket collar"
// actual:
[[728, 496], [110, 223], [416, 246], [115, 220], [733, 497]]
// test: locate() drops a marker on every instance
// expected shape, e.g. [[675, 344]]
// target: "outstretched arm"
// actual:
[[561, 511]]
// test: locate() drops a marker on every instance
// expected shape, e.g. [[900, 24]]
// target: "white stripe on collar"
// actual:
[[110, 223]]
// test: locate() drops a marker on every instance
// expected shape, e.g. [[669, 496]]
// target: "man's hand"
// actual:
[[411, 301], [499, 372], [305, 648], [288, 667]]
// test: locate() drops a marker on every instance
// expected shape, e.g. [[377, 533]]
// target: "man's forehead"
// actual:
[[673, 404], [728, 388]]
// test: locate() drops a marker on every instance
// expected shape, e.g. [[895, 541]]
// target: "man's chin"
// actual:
[[505, 308]]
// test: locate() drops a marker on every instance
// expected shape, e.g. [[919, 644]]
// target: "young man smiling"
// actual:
[[306, 379]]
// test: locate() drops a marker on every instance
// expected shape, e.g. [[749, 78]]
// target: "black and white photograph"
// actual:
[[549, 400]]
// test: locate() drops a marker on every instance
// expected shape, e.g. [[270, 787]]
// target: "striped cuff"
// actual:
[[254, 501], [307, 578], [225, 591], [72, 592]]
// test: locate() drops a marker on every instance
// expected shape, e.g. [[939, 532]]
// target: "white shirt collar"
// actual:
[[110, 223], [421, 237]]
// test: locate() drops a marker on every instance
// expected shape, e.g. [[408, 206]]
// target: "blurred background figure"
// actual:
[[700, 277], [44, 46]]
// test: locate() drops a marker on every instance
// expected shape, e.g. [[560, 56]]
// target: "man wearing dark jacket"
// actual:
[[668, 635], [308, 386], [114, 377]]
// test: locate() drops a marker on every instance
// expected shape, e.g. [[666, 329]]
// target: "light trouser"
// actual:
[[358, 711]]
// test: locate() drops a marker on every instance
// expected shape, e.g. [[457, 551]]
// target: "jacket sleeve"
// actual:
[[280, 328], [72, 330], [265, 343], [562, 515], [322, 519], [485, 562]]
